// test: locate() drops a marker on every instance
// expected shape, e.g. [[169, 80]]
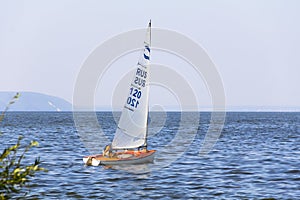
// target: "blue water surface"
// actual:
[[257, 156]]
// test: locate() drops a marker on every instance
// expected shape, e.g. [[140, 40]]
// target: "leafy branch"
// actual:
[[13, 174]]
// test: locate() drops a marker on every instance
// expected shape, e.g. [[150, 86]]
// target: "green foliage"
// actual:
[[14, 175]]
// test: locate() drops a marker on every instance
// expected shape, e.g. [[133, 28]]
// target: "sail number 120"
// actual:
[[131, 99]]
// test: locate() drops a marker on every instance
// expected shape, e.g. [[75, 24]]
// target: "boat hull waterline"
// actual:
[[127, 157]]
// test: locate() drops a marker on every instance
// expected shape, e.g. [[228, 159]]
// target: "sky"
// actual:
[[255, 46]]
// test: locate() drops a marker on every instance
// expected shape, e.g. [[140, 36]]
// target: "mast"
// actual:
[[150, 32], [146, 136]]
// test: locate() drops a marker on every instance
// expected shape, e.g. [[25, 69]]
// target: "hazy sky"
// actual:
[[254, 44]]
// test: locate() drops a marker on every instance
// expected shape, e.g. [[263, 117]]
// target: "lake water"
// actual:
[[257, 156]]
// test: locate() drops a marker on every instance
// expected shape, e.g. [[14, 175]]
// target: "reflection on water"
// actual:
[[134, 169]]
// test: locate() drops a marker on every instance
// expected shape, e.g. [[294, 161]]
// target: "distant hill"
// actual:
[[31, 101]]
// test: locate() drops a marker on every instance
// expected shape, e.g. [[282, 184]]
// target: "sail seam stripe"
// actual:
[[129, 108], [142, 65], [135, 86]]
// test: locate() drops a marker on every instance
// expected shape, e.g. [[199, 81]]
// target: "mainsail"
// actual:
[[132, 127]]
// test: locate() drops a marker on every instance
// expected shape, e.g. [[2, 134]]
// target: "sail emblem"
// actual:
[[147, 52]]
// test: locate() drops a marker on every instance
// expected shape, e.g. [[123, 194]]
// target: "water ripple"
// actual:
[[256, 157]]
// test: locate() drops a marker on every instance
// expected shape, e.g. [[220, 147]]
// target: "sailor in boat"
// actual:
[[107, 152]]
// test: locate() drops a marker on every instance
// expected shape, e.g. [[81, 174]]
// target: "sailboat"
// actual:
[[129, 145]]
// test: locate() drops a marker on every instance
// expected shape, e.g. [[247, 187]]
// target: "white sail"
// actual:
[[132, 127]]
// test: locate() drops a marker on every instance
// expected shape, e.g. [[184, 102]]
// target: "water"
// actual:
[[256, 157]]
